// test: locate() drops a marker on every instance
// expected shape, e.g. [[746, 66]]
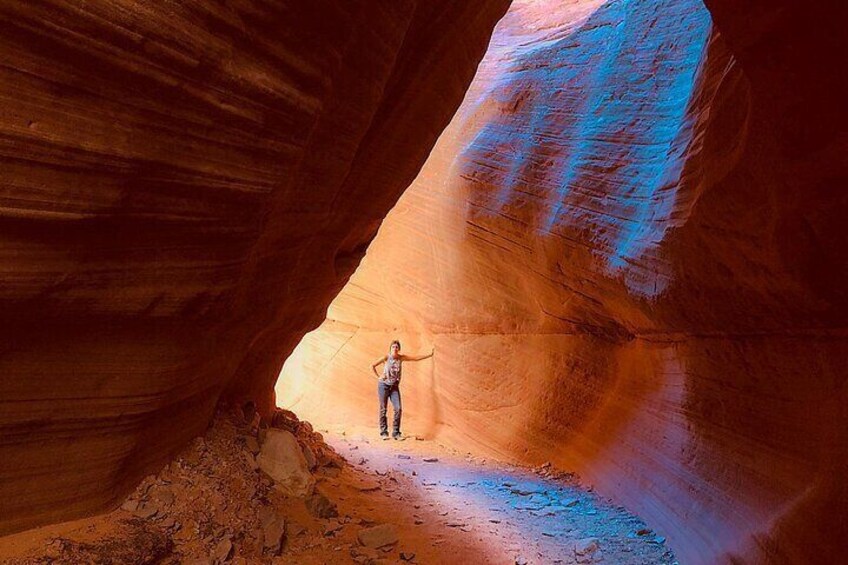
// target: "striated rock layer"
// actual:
[[185, 188], [629, 250]]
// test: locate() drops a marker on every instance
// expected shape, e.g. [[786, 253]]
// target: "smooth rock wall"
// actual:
[[185, 187], [629, 250]]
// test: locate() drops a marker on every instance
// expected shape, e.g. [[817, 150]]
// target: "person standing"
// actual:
[[388, 386]]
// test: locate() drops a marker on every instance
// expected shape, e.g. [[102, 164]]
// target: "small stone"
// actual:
[[378, 536], [402, 456], [252, 444], [586, 546], [404, 556], [130, 505], [331, 529], [293, 529], [321, 507], [367, 486], [309, 455], [431, 459], [147, 511], [273, 530], [251, 461], [222, 550]]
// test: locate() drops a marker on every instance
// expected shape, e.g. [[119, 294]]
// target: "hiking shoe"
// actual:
[[398, 437], [384, 437]]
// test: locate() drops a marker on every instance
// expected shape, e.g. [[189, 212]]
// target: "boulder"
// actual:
[[282, 459]]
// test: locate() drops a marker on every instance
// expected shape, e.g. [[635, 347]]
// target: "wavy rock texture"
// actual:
[[629, 250], [185, 188]]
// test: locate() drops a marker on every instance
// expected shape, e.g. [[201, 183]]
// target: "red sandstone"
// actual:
[[681, 347], [639, 279]]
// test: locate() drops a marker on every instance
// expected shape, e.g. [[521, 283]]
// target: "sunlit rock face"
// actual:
[[629, 250], [185, 187]]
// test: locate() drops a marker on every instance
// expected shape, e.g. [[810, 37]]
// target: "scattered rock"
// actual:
[[526, 489], [282, 459], [586, 546], [309, 455], [252, 444], [431, 459], [331, 529], [378, 536], [402, 456], [251, 461], [321, 507], [286, 420], [367, 486], [146, 511], [293, 529], [222, 550], [273, 530], [130, 505], [404, 556]]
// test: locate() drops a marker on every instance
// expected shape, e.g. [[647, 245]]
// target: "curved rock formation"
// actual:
[[185, 188], [629, 249]]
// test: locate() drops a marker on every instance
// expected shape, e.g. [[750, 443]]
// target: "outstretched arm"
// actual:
[[418, 357], [376, 364]]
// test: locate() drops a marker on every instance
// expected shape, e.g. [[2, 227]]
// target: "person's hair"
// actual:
[[394, 341]]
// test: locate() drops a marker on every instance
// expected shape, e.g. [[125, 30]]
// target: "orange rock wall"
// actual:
[[185, 186], [628, 249]]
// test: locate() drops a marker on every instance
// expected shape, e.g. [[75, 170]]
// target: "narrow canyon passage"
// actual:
[[597, 248], [619, 225]]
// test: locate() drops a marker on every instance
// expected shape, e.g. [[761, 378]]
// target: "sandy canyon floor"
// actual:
[[375, 501]]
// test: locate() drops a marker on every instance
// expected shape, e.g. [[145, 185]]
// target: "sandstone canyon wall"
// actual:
[[185, 187], [629, 250]]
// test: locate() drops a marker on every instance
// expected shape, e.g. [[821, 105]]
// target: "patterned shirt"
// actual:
[[391, 370]]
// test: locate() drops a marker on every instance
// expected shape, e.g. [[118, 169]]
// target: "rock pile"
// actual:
[[229, 497]]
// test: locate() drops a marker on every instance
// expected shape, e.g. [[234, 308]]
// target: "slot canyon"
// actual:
[[619, 225]]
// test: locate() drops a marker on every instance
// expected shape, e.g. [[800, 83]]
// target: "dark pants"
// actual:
[[386, 392]]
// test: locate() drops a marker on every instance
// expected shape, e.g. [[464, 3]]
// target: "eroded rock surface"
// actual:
[[185, 187], [628, 249]]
